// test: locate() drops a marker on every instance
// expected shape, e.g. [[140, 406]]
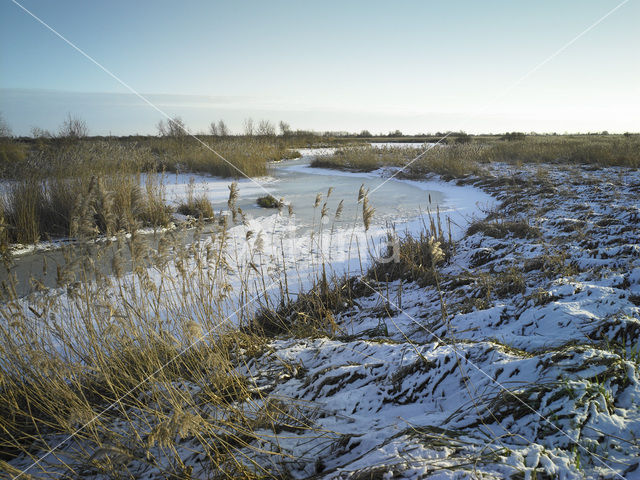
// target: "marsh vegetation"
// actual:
[[457, 159], [74, 186], [211, 360]]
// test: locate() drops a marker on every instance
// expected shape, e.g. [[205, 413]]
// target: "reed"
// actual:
[[52, 182], [109, 362], [196, 205], [225, 156], [599, 150], [269, 201], [82, 206], [153, 370], [458, 160], [453, 160], [139, 370], [363, 158]]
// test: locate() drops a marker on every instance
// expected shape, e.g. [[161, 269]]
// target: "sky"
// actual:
[[416, 66]]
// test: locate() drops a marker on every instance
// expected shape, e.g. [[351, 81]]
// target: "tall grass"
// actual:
[[22, 212], [458, 160], [149, 372], [453, 160], [146, 373], [196, 205], [37, 209], [65, 158], [79, 188], [110, 365], [364, 158], [240, 156], [12, 156], [60, 187], [601, 150]]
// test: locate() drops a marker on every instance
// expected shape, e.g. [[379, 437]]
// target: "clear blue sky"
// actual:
[[418, 66]]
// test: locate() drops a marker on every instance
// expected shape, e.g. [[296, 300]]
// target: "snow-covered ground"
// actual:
[[216, 189], [527, 367], [535, 371]]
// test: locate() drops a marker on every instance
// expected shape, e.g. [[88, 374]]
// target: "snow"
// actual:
[[538, 380], [216, 189]]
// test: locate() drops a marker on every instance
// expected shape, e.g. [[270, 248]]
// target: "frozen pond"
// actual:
[[399, 203], [298, 184]]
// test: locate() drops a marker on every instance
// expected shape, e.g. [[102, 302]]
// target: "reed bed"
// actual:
[[364, 158], [157, 373], [66, 158], [79, 189], [149, 370], [64, 187], [456, 160], [240, 156], [196, 205], [598, 150], [123, 364], [452, 160], [80, 207]]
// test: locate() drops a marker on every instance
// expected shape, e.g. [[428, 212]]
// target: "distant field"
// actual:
[[466, 154]]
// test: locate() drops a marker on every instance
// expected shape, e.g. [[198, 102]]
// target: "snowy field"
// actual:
[[536, 379], [527, 367]]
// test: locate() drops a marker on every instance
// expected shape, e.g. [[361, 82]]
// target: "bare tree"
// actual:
[[5, 129], [213, 129], [285, 128], [162, 129], [223, 130], [73, 127], [37, 132], [266, 128], [172, 127], [248, 127]]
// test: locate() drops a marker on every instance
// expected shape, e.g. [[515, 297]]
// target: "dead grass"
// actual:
[[81, 189], [415, 260], [198, 206], [67, 358], [460, 160], [364, 158], [120, 343], [551, 265], [311, 314], [242, 156], [501, 229], [159, 354], [81, 207], [452, 161], [600, 150], [67, 187], [269, 201]]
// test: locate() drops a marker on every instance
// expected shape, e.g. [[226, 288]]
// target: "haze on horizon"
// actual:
[[420, 67]]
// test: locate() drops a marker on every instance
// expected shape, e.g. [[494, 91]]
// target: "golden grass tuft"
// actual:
[[196, 205]]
